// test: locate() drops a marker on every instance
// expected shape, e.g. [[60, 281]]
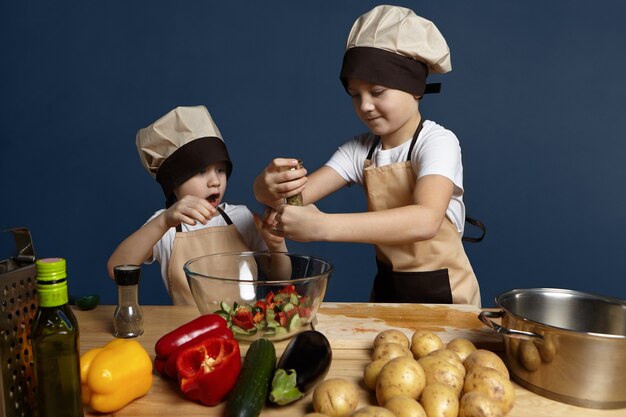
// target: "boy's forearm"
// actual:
[[394, 226], [137, 248]]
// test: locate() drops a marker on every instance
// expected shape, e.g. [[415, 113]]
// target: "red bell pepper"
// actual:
[[170, 364], [169, 346], [208, 371]]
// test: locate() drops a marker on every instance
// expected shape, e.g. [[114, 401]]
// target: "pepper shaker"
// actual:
[[128, 316], [296, 200]]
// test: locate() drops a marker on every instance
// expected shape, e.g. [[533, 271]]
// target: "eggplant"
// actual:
[[305, 362]]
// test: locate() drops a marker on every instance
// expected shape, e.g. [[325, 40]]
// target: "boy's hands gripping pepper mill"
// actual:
[[296, 200]]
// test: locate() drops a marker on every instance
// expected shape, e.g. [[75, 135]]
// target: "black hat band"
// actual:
[[386, 68], [190, 159]]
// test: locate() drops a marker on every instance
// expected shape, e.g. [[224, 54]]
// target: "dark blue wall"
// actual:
[[535, 96]]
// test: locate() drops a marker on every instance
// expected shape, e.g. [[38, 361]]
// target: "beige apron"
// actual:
[[432, 271], [189, 245]]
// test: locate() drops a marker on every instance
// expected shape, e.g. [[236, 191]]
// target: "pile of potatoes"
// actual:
[[425, 378]]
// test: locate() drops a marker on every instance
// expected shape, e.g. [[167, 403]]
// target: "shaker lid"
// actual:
[[127, 274]]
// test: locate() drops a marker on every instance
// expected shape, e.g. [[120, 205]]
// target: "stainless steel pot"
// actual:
[[566, 345]]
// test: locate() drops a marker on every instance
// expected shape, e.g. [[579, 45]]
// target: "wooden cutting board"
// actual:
[[355, 325]]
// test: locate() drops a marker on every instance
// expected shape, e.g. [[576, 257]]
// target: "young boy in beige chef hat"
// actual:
[[184, 151], [410, 168]]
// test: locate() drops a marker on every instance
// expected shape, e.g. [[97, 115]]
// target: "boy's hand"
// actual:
[[303, 224], [278, 182], [264, 226], [190, 210]]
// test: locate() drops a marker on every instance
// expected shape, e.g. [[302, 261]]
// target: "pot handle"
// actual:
[[484, 316]]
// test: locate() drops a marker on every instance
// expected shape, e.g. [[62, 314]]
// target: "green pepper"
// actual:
[[88, 302]]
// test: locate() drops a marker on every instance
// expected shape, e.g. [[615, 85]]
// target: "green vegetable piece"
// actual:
[[88, 302], [284, 388], [223, 314], [225, 307], [287, 306], [294, 322], [238, 330], [293, 299]]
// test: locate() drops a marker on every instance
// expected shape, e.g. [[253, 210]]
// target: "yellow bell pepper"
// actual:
[[114, 375]]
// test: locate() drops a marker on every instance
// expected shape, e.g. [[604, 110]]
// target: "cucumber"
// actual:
[[250, 392], [294, 323]]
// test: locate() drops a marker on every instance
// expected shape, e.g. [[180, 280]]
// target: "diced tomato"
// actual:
[[289, 289], [291, 312], [304, 311], [269, 298], [261, 305], [243, 318], [281, 318]]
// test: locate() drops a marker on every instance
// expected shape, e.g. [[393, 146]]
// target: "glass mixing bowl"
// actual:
[[260, 294]]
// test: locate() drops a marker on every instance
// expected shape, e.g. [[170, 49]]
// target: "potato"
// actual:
[[423, 342], [439, 400], [528, 355], [461, 347], [483, 357], [400, 376], [493, 384], [315, 415], [391, 336], [370, 374], [388, 351], [403, 406], [439, 371], [450, 357], [477, 404], [336, 397], [372, 411]]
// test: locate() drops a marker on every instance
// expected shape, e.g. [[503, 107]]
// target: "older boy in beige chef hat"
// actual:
[[184, 151], [410, 168]]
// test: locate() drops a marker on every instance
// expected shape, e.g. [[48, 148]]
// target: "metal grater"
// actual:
[[18, 292]]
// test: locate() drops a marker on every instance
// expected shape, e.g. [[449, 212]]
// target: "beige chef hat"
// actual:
[[179, 145], [392, 46]]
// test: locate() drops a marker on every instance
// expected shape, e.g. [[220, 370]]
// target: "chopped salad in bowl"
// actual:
[[260, 294]]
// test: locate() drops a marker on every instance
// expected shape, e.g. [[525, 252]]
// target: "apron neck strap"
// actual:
[[415, 135], [227, 219], [224, 215]]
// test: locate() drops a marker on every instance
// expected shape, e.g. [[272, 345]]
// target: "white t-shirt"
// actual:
[[239, 215], [436, 151]]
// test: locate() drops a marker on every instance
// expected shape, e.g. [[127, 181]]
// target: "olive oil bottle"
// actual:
[[55, 345]]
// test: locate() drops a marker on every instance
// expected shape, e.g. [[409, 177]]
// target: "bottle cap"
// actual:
[[127, 274], [51, 271], [51, 282]]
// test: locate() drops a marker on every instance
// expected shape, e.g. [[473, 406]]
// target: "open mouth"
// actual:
[[214, 199]]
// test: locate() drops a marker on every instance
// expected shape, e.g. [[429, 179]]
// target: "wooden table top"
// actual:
[[350, 328]]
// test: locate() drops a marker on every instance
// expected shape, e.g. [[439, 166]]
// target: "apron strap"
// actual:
[[225, 216], [227, 219], [480, 225], [376, 142], [415, 135]]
